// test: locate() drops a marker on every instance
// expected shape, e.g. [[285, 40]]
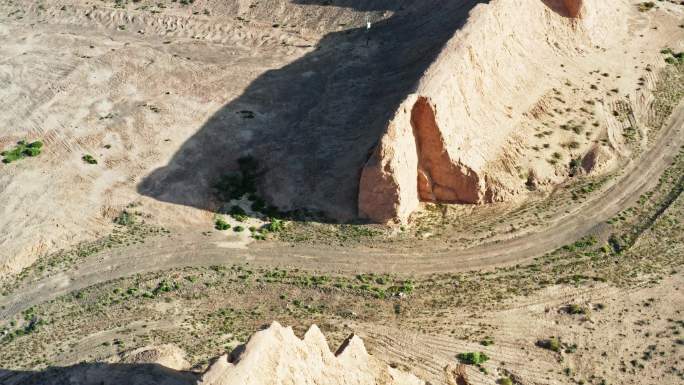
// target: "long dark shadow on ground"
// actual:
[[100, 374], [312, 124]]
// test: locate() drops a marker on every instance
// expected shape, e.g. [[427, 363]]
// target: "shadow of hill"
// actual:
[[100, 374], [313, 123]]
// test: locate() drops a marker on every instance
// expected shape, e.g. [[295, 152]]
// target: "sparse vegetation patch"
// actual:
[[22, 150], [473, 358], [87, 158]]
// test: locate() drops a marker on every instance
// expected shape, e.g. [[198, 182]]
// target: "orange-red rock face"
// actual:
[[574, 7], [440, 179], [412, 164], [388, 182]]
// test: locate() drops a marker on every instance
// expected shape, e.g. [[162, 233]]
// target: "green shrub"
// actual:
[[505, 381], [552, 344], [616, 244], [165, 286], [22, 150], [275, 225], [574, 308], [89, 159], [221, 225], [238, 229], [124, 219], [646, 6], [676, 58], [473, 358], [405, 288]]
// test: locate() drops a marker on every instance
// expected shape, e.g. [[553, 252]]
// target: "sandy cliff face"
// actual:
[[444, 141], [276, 356]]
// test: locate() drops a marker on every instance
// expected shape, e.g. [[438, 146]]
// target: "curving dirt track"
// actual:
[[180, 251]]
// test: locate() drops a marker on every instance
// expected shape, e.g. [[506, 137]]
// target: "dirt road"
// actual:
[[198, 250]]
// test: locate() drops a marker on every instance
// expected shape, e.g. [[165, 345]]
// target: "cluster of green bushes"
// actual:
[[243, 183], [275, 225], [221, 224], [165, 286], [28, 329], [672, 57], [236, 185], [33, 322], [125, 219], [473, 358], [588, 188], [22, 150], [582, 243]]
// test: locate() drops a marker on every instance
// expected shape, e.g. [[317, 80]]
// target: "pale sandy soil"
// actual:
[[621, 326], [163, 98], [130, 88], [157, 97]]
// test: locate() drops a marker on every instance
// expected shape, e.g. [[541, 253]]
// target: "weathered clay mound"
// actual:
[[446, 140], [277, 356]]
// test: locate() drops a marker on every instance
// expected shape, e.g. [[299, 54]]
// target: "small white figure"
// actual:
[[368, 27]]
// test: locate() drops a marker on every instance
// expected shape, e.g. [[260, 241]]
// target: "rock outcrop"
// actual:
[[169, 356], [276, 356], [597, 159], [445, 141], [574, 7]]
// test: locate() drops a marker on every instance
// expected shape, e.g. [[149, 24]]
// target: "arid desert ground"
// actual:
[[451, 191]]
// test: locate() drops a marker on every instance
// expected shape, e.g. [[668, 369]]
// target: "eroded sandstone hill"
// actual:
[[450, 140], [276, 356]]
